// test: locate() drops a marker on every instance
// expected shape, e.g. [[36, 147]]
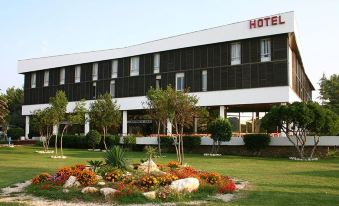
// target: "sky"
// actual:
[[40, 28]]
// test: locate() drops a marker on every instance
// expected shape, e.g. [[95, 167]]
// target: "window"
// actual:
[[265, 50], [95, 72], [46, 78], [114, 69], [77, 74], [204, 80], [235, 53], [112, 88], [157, 82], [94, 90], [62, 76], [156, 64], [180, 81], [33, 80], [134, 66]]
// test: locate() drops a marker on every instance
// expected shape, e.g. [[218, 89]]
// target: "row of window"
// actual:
[[134, 68]]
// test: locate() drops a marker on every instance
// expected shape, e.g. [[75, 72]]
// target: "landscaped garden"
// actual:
[[272, 181]]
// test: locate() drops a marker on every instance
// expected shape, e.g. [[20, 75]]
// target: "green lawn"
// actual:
[[273, 181]]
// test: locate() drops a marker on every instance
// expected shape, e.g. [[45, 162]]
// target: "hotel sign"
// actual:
[[266, 22]]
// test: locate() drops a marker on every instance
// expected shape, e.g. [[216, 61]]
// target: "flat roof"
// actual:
[[229, 32]]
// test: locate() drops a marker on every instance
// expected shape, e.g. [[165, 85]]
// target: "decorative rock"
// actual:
[[89, 190], [65, 190], [70, 182], [99, 177], [77, 184], [188, 184], [97, 150], [101, 183], [149, 195], [106, 191], [145, 166]]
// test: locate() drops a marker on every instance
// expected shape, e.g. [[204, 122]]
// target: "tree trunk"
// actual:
[[62, 135], [316, 142], [104, 130], [159, 142]]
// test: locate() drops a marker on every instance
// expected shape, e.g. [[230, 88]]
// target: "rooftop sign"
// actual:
[[266, 21]]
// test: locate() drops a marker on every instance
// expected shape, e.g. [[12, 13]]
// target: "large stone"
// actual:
[[106, 191], [150, 195], [148, 166], [70, 182], [89, 190], [188, 184]]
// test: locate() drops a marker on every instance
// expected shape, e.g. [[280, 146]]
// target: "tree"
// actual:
[[156, 107], [75, 117], [3, 112], [329, 92], [58, 112], [14, 98], [42, 122], [221, 131], [300, 119], [93, 137], [104, 113]]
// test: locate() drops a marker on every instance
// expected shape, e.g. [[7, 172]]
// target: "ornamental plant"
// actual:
[[185, 172], [113, 176], [226, 185], [173, 164], [149, 181], [41, 178], [167, 179], [87, 177], [211, 177]]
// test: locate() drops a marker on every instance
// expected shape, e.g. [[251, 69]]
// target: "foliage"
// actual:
[[149, 181], [166, 179], [15, 99], [299, 119], [185, 172], [225, 185], [87, 177], [220, 130], [15, 133], [73, 141], [150, 151], [116, 157], [104, 113], [3, 110], [191, 142], [41, 178], [84, 176], [95, 164], [329, 92], [93, 138], [111, 140], [256, 142], [173, 164], [129, 140], [166, 142], [211, 177]]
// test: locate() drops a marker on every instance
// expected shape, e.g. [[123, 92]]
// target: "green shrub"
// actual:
[[71, 141], [112, 140], [256, 142], [129, 141], [15, 133], [93, 138], [166, 141], [191, 142], [115, 157]]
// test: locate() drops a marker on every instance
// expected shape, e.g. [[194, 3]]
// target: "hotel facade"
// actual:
[[238, 71]]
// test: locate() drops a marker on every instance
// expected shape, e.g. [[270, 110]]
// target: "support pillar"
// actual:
[[195, 125], [169, 127], [222, 112], [87, 120], [26, 127], [124, 123]]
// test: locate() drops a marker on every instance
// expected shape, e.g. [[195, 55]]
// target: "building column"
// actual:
[[169, 127], [222, 112], [87, 120], [124, 123], [239, 126], [253, 122], [195, 125], [26, 127]]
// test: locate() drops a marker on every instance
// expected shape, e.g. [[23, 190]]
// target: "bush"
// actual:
[[112, 140], [191, 142], [71, 141], [15, 133], [116, 157], [93, 138], [256, 142], [129, 141], [166, 142]]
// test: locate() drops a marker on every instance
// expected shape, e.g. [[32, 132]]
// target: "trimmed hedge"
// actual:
[[191, 142], [111, 140], [15, 133], [256, 142], [93, 138], [71, 141]]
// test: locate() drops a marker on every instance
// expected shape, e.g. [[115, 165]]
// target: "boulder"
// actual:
[[149, 164], [70, 182], [150, 195], [188, 184], [65, 190], [89, 190], [106, 191], [101, 183]]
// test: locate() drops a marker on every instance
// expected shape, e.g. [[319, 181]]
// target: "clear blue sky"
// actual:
[[44, 27]]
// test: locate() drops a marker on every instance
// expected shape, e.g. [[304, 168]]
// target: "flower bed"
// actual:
[[172, 183]]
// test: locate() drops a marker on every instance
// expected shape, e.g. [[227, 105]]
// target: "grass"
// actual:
[[273, 181]]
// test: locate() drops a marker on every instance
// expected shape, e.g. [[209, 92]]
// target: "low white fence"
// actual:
[[237, 141]]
